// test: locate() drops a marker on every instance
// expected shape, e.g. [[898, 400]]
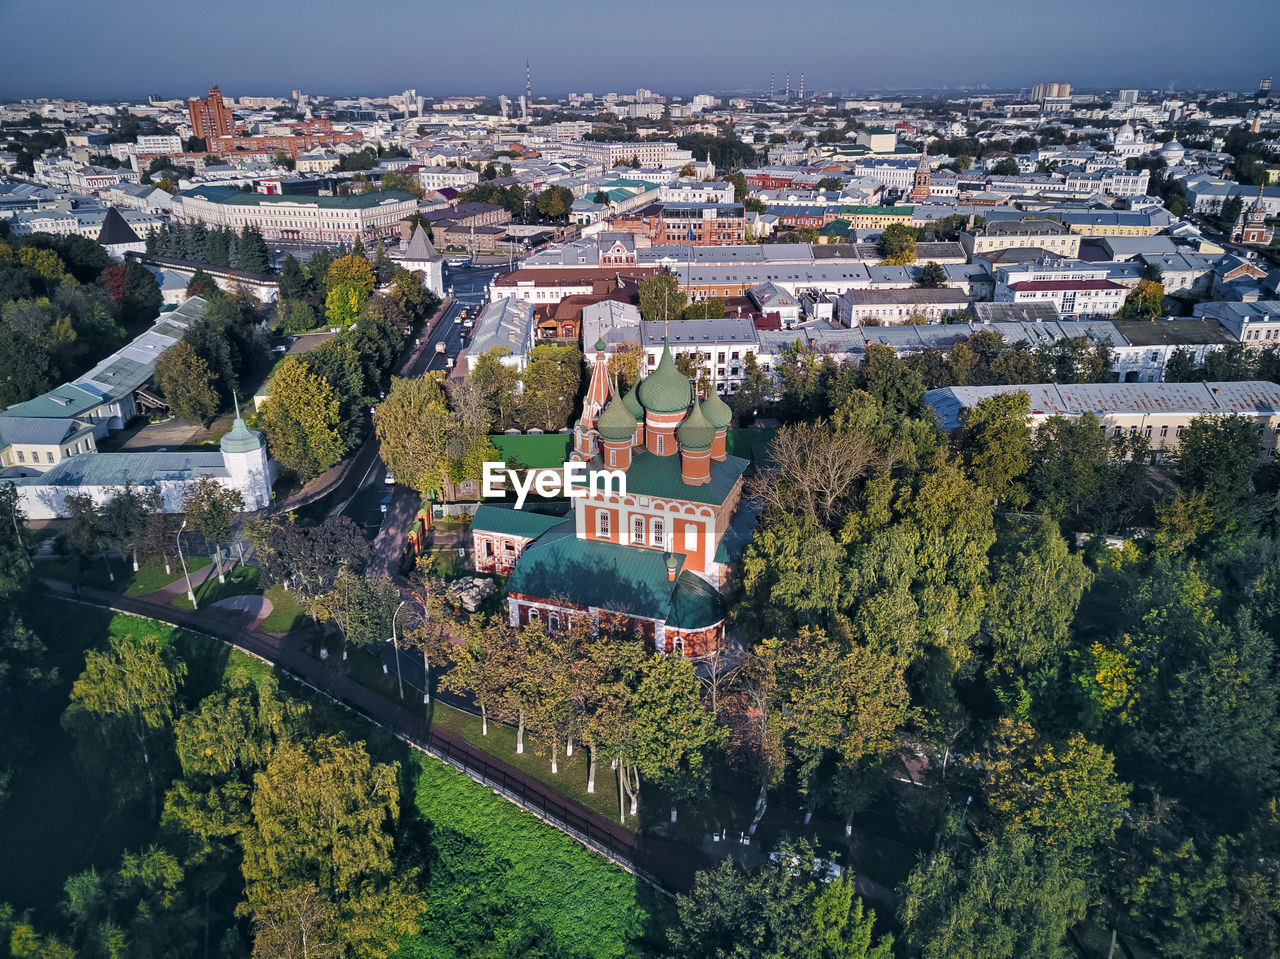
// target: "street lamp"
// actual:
[[395, 645], [191, 594]]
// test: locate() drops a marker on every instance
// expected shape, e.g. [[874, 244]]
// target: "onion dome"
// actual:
[[695, 434], [601, 345], [632, 404], [665, 390], [717, 411], [616, 424]]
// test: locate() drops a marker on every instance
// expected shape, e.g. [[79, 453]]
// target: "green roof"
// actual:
[[535, 451], [513, 522], [622, 579], [355, 201], [112, 469], [717, 411], [63, 401], [616, 423], [891, 210], [695, 433], [632, 404], [241, 439], [694, 603], [659, 476], [751, 444], [665, 390]]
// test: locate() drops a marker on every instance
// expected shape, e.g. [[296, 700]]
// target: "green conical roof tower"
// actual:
[[716, 410], [665, 390], [696, 434], [241, 439], [616, 424]]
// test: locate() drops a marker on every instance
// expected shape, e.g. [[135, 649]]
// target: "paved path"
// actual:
[[167, 594], [251, 608]]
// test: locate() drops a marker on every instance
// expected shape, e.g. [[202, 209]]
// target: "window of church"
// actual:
[[659, 533], [602, 524], [691, 537], [637, 531]]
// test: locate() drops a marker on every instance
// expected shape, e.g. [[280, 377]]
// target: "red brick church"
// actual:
[[658, 556]]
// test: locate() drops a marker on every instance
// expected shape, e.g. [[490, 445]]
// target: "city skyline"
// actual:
[[671, 50]]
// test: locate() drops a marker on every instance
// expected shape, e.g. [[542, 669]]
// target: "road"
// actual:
[[469, 288]]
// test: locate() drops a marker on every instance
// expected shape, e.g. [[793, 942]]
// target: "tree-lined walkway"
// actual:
[[649, 858]]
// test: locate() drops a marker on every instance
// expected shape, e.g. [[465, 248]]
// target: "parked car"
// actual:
[[389, 479]]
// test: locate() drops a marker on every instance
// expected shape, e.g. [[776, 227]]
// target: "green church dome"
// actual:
[[695, 433], [716, 411], [632, 403], [665, 390], [616, 424]]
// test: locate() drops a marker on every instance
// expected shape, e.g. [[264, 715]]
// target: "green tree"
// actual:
[[1146, 300], [1006, 167], [932, 276], [997, 444], [414, 425], [786, 909], [210, 507], [1011, 899], [898, 244], [551, 382], [661, 297], [185, 381], [1036, 586], [301, 421], [349, 283], [121, 716], [322, 816]]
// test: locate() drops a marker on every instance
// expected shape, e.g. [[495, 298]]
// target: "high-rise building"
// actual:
[[1264, 88], [1044, 91], [210, 117], [1128, 97]]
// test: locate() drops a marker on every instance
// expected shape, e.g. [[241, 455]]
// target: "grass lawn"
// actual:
[[286, 611], [571, 780], [93, 573], [240, 581], [151, 575]]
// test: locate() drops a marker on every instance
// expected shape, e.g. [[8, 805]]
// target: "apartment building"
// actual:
[[1159, 412], [1032, 232], [1077, 289], [325, 219]]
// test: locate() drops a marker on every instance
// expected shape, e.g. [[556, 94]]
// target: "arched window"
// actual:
[[677, 646], [637, 531], [659, 533], [602, 524], [534, 615]]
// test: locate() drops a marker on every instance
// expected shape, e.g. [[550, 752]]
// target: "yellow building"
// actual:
[[875, 217]]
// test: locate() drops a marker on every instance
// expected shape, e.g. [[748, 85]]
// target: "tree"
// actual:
[[1011, 899], [322, 815], [661, 297], [786, 909], [134, 291], [361, 608], [1181, 366], [413, 425], [1066, 464], [480, 665], [301, 420], [1066, 795], [932, 276], [814, 470], [121, 716], [555, 202], [210, 507], [250, 252], [551, 381], [1146, 300], [349, 283], [601, 197], [1006, 167], [1036, 585], [294, 284], [185, 381], [898, 244], [997, 444]]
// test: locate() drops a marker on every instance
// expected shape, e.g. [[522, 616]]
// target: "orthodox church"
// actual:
[[657, 556], [1251, 225]]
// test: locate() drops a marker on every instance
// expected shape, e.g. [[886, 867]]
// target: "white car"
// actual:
[[389, 479]]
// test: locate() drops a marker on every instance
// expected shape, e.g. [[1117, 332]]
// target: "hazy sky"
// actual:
[[130, 48]]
